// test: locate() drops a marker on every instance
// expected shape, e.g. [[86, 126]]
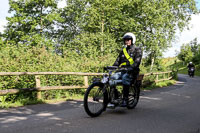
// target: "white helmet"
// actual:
[[190, 62], [131, 36]]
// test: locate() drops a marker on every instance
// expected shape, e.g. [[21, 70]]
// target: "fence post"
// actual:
[[156, 77], [37, 79], [86, 81]]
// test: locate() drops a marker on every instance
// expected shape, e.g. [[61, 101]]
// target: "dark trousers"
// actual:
[[127, 79]]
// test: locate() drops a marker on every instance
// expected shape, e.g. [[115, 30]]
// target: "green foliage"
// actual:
[[153, 22], [41, 23], [84, 36], [165, 83], [89, 45], [196, 59], [32, 23], [190, 52], [186, 54], [36, 59], [160, 84], [161, 64], [70, 21], [195, 48]]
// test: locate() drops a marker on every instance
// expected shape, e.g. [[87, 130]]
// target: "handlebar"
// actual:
[[113, 68]]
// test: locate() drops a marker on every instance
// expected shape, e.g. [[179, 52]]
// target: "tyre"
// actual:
[[95, 99], [134, 94]]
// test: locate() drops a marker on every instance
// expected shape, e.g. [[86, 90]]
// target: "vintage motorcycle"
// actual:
[[191, 72], [101, 92]]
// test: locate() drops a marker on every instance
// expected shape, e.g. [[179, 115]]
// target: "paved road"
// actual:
[[174, 109]]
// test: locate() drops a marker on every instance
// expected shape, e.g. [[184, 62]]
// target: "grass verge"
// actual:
[[24, 102], [5, 105], [160, 84]]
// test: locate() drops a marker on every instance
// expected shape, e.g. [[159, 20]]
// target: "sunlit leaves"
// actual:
[[32, 21]]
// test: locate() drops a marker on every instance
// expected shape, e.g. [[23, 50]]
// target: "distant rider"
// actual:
[[190, 65]]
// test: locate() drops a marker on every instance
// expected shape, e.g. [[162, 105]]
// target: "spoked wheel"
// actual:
[[134, 94], [95, 100]]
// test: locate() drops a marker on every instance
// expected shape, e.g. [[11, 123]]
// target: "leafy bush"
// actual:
[[38, 59]]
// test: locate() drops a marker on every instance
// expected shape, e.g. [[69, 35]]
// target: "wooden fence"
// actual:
[[165, 77], [40, 88]]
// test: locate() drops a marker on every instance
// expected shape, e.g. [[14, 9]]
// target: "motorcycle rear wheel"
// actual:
[[134, 94]]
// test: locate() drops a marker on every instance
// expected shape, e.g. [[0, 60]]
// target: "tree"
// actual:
[[32, 22], [163, 19], [80, 24], [154, 22], [186, 53], [195, 47], [190, 52], [69, 24]]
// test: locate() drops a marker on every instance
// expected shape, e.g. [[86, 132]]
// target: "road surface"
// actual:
[[173, 109]]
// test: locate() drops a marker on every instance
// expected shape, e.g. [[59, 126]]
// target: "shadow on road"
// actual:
[[36, 113], [51, 117]]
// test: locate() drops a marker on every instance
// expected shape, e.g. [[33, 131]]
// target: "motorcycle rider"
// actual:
[[130, 58], [190, 65]]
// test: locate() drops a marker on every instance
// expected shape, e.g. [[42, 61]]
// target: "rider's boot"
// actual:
[[114, 101], [125, 96]]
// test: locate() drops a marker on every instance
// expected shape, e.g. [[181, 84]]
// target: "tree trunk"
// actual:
[[102, 31], [41, 21], [152, 63]]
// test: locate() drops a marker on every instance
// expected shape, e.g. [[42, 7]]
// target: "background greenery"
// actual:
[[85, 36]]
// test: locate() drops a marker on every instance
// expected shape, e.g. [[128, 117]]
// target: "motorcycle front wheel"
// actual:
[[95, 99]]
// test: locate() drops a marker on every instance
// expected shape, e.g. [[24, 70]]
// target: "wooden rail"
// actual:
[[49, 73], [160, 73], [40, 88]]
